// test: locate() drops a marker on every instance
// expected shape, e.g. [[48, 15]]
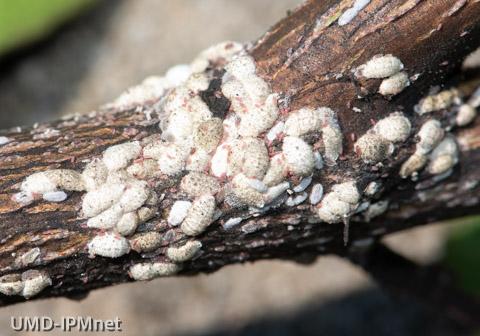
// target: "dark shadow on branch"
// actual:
[[365, 312], [432, 284]]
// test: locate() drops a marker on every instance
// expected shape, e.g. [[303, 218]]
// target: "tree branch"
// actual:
[[307, 60]]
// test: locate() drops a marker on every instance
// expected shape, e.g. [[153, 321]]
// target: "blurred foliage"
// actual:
[[463, 254], [26, 21]]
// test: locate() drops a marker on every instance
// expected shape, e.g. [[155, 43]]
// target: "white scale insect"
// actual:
[[378, 143]]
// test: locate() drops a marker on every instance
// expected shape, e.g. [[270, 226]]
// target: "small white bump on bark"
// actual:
[[134, 196], [199, 216], [277, 170], [184, 110], [318, 160], [232, 222], [443, 157], [372, 189], [333, 142], [119, 177], [11, 284], [178, 212], [304, 183], [245, 193], [127, 224], [208, 134], [394, 84], [178, 74], [275, 132], [24, 197], [53, 180], [119, 156], [316, 194], [340, 203], [250, 96], [430, 134], [259, 120], [171, 158], [248, 156], [378, 143], [105, 220], [413, 164], [230, 127], [297, 199], [219, 163], [439, 101], [298, 156], [380, 66], [55, 196], [149, 271], [108, 245], [347, 192], [275, 191], [395, 128], [150, 90], [322, 119], [198, 161], [144, 169], [441, 164], [196, 184], [332, 209], [373, 148], [352, 12], [99, 200], [185, 252], [146, 241], [95, 174], [302, 122], [177, 125], [145, 214], [34, 282], [465, 115], [197, 82]]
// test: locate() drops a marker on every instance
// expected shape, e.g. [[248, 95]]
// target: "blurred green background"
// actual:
[[26, 21], [463, 253]]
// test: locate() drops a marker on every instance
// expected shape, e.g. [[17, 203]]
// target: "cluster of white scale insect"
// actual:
[[253, 158], [465, 112], [27, 284], [378, 143], [386, 67], [436, 150]]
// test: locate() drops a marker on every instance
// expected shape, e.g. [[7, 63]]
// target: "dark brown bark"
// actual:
[[301, 57]]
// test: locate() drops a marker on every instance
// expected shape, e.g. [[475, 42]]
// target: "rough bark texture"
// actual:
[[307, 58]]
